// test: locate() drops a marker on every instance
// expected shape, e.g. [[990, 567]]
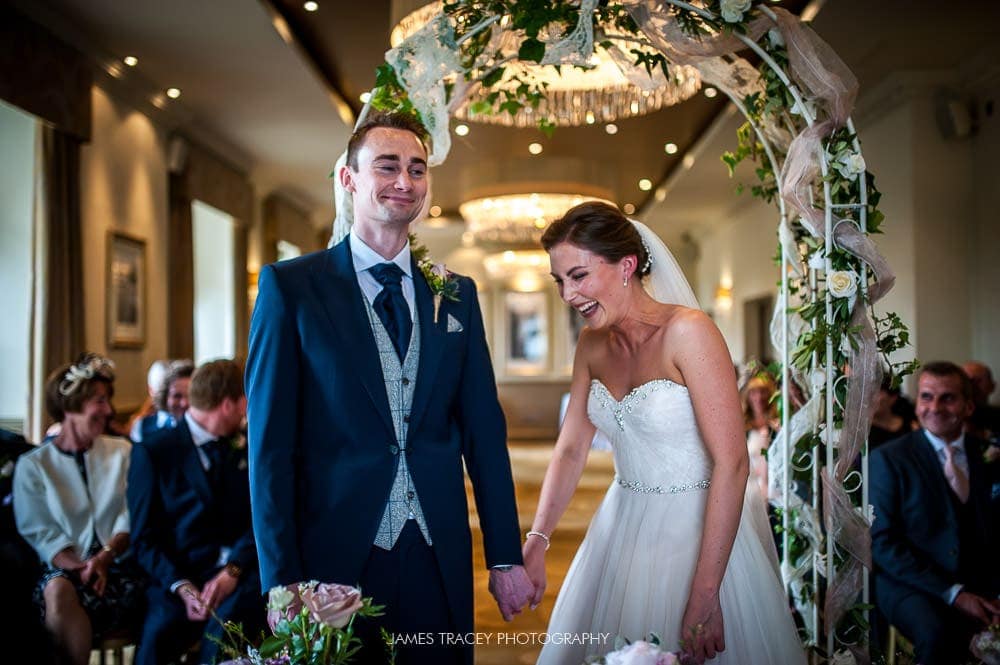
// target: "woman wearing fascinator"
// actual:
[[69, 504], [678, 547]]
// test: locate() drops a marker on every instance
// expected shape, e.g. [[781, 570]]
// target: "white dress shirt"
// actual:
[[962, 463], [364, 257]]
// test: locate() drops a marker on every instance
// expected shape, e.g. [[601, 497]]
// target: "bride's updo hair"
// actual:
[[602, 229]]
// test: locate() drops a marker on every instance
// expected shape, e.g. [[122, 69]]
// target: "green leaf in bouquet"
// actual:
[[271, 646]]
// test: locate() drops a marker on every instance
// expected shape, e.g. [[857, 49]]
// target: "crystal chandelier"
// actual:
[[574, 96], [515, 220]]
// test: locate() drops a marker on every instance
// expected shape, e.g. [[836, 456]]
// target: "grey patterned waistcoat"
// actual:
[[400, 381]]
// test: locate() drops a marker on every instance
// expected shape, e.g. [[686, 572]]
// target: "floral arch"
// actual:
[[797, 102]]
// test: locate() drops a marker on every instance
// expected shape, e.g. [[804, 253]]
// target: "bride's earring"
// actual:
[[626, 281]]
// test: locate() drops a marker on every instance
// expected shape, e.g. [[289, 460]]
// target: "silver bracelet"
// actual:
[[540, 535]]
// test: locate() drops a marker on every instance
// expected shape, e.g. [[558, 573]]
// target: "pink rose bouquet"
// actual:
[[311, 622]]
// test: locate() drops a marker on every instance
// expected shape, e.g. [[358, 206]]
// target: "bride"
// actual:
[[678, 547]]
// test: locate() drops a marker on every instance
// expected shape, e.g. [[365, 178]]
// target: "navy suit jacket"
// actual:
[[322, 446], [915, 535], [178, 523]]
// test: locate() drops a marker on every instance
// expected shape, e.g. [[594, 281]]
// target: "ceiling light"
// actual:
[[611, 128], [173, 93], [671, 148], [661, 194], [364, 97], [688, 161], [310, 6], [435, 211], [516, 220], [535, 148], [711, 92], [131, 60], [462, 130], [604, 91], [629, 209], [645, 184]]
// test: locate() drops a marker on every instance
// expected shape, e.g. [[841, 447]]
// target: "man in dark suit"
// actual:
[[936, 532], [189, 500], [365, 398]]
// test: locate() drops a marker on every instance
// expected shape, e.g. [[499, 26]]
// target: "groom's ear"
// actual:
[[346, 178]]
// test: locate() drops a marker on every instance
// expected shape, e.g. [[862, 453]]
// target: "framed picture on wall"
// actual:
[[126, 291], [527, 333]]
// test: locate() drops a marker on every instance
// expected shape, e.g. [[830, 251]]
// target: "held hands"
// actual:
[[94, 571], [534, 564], [512, 590], [217, 589], [194, 607], [985, 611], [702, 634]]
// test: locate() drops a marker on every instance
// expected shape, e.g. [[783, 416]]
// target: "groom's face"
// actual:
[[390, 183]]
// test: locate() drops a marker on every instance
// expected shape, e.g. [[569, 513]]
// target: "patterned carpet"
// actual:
[[501, 643]]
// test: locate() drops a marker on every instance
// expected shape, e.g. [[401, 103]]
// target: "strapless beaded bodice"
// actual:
[[657, 446]]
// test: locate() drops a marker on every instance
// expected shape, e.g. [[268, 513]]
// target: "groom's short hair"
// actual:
[[394, 120], [213, 382]]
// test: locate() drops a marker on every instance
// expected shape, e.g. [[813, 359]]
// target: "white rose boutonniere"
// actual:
[[732, 10], [442, 281], [842, 283]]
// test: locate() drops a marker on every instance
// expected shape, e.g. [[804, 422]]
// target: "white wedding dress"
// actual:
[[633, 571]]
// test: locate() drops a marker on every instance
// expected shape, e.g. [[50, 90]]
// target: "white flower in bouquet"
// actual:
[[733, 10], [842, 283], [986, 645], [775, 37], [640, 652]]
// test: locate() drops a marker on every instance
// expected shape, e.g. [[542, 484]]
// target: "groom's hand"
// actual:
[[512, 590]]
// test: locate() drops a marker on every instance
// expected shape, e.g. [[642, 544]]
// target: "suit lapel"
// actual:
[[192, 465], [432, 344], [337, 288]]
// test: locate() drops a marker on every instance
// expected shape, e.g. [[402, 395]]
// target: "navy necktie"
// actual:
[[391, 307], [215, 451]]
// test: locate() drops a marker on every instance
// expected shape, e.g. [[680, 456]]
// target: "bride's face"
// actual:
[[589, 283]]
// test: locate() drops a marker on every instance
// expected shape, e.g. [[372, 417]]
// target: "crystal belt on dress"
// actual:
[[642, 488]]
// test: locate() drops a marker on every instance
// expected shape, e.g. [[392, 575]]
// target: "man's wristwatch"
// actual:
[[233, 570]]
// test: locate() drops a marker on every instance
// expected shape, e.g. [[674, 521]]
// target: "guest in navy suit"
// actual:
[[936, 534], [170, 399], [365, 400], [189, 497]]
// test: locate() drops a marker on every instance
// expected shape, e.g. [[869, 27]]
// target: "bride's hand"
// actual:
[[702, 635], [534, 563]]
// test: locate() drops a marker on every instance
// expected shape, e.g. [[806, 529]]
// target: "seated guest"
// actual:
[[154, 379], [69, 504], [887, 424], [760, 421], [984, 422], [170, 400], [189, 495], [935, 536]]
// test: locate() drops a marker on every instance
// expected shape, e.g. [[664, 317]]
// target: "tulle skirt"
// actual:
[[633, 573]]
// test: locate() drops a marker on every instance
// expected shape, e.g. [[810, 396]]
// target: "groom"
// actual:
[[364, 402]]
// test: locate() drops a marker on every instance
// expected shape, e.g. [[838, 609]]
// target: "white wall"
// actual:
[[17, 167], [124, 187]]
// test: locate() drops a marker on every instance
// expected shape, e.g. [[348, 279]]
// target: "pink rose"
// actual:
[[332, 604]]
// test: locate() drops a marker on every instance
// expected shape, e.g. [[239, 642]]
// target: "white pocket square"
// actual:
[[454, 325]]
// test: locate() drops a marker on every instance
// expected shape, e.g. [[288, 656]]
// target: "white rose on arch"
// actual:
[[733, 10], [842, 283], [850, 165]]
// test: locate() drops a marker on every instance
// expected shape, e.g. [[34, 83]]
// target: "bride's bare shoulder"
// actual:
[[686, 326]]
